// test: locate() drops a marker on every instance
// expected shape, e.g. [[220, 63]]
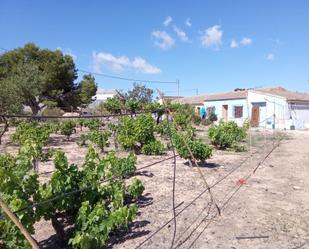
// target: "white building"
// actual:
[[265, 107], [102, 95]]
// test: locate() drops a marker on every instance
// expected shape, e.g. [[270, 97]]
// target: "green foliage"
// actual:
[[33, 131], [135, 133], [163, 128], [87, 90], [10, 100], [93, 124], [153, 148], [82, 139], [226, 134], [119, 167], [32, 137], [67, 128], [139, 93], [97, 209], [135, 189], [196, 119], [19, 188], [38, 77], [99, 138], [133, 106], [212, 117], [113, 105], [93, 232], [183, 115], [185, 142]]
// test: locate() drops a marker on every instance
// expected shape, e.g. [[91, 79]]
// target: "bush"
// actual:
[[226, 134], [212, 117], [182, 115], [134, 133], [67, 128], [162, 128], [185, 142], [196, 119], [153, 148], [100, 139]]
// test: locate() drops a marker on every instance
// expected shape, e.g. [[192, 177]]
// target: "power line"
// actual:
[[119, 77], [127, 79]]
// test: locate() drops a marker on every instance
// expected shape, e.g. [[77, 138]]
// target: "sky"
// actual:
[[209, 46]]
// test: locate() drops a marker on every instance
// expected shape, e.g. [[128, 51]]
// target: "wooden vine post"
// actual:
[[20, 226]]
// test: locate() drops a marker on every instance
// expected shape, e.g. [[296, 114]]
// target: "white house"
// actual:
[[265, 107], [102, 95]]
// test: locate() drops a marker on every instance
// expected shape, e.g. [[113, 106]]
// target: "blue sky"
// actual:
[[210, 45]]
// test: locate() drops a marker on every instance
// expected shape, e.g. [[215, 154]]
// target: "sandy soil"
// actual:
[[274, 202]]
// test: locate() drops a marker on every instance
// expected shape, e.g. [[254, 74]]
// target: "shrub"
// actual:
[[196, 119], [212, 117], [134, 133], [162, 128], [226, 134], [185, 142], [153, 148], [67, 128], [82, 139], [113, 105], [99, 138]]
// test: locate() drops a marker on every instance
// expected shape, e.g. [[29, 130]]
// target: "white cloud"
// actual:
[[122, 63], [246, 41], [212, 37], [181, 34], [167, 20], [188, 22], [234, 44], [270, 57], [162, 39], [67, 51]]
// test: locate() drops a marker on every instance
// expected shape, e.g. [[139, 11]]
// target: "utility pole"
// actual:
[[177, 82]]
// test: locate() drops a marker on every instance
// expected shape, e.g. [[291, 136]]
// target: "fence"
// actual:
[[260, 145]]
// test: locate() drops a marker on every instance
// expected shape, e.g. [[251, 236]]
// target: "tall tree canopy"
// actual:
[[40, 77], [140, 93]]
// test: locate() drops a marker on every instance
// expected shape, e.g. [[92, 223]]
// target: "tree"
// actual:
[[41, 77], [10, 101], [88, 89], [140, 92]]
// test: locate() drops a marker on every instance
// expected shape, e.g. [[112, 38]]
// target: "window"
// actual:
[[238, 111]]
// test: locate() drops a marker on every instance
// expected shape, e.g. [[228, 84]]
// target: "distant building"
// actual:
[[266, 107], [102, 95], [168, 99]]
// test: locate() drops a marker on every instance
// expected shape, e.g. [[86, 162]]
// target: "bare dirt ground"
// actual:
[[274, 202]]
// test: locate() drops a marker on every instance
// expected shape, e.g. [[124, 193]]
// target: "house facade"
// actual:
[[265, 107], [262, 107]]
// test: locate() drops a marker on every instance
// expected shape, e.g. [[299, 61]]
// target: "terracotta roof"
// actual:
[[280, 91], [289, 95], [199, 100], [192, 100], [227, 95]]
